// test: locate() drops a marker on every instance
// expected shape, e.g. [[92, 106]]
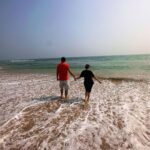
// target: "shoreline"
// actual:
[[112, 78]]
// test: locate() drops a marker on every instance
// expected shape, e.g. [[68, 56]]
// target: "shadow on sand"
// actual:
[[57, 98]]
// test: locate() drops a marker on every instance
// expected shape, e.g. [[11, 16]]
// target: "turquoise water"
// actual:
[[106, 66]]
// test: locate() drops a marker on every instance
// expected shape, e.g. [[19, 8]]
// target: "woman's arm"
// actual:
[[72, 74], [97, 79], [78, 77]]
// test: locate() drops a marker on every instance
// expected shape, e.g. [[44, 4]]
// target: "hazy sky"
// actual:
[[54, 28]]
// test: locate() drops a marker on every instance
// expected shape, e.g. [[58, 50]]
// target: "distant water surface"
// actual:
[[128, 66]]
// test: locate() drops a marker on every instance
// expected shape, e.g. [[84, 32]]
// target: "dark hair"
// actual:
[[63, 59], [87, 66]]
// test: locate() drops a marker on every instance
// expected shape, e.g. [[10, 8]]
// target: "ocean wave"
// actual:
[[21, 60], [120, 79]]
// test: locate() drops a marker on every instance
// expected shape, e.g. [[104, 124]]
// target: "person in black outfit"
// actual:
[[88, 81]]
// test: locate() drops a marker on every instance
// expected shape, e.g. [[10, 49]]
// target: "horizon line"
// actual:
[[73, 56]]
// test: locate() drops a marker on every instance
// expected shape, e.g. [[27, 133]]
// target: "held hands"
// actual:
[[74, 78]]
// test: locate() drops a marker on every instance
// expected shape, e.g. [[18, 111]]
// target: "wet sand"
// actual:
[[32, 116]]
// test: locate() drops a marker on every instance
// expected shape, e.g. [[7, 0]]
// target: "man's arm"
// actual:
[[72, 74]]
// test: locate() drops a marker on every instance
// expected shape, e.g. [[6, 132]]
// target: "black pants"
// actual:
[[88, 86]]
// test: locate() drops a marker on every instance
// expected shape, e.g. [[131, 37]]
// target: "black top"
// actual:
[[88, 75]]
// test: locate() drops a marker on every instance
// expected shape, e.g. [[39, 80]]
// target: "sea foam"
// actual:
[[117, 116]]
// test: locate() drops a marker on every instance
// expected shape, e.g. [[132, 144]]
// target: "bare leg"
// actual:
[[88, 96], [66, 94], [61, 91], [86, 101]]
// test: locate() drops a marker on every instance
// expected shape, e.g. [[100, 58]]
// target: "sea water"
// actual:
[[134, 66]]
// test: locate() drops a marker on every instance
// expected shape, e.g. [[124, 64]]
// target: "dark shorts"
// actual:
[[88, 86]]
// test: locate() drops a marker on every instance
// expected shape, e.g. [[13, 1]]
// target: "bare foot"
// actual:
[[83, 100], [85, 107], [66, 98], [61, 97]]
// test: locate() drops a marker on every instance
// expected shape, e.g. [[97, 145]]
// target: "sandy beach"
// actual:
[[32, 116]]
